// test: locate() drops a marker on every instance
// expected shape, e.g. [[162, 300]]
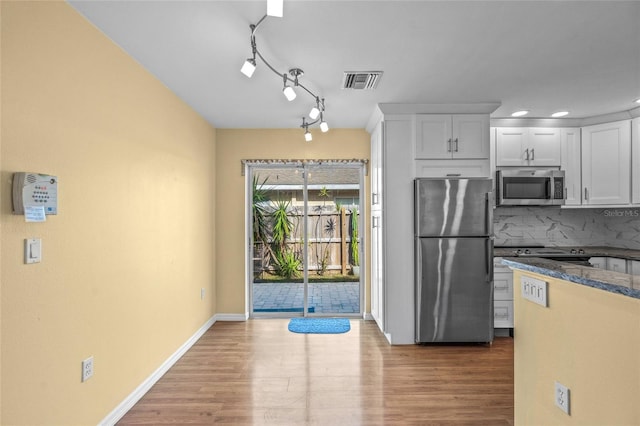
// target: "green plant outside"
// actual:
[[260, 213], [355, 253], [281, 225], [288, 264]]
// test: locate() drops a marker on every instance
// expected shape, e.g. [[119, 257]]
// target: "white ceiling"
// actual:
[[538, 55]]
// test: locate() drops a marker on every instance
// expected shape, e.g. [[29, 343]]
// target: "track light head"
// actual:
[[323, 124], [315, 111], [289, 93], [248, 67], [308, 136], [275, 8]]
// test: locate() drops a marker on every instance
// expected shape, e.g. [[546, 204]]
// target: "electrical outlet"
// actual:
[[87, 369], [562, 397], [202, 294]]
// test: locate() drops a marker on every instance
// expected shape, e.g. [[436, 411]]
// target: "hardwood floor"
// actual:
[[259, 373]]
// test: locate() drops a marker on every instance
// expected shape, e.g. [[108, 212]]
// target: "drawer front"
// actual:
[[617, 264], [503, 314], [502, 286]]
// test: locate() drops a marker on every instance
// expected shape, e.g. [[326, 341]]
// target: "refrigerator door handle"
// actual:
[[488, 213], [489, 260]]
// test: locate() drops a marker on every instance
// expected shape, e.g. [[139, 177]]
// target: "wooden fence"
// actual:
[[329, 237]]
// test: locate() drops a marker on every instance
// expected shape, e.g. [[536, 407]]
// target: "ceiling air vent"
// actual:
[[367, 80]]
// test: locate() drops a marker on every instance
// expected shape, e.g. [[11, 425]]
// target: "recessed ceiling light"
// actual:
[[519, 113], [637, 101], [560, 114]]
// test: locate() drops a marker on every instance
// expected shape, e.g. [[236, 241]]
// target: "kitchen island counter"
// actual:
[[614, 282]]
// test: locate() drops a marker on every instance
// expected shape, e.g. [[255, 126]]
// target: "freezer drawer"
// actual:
[[454, 290]]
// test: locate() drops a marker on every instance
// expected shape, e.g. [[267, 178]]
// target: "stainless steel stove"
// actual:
[[548, 252], [573, 255]]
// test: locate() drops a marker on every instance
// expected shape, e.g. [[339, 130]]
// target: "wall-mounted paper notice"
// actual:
[[34, 214]]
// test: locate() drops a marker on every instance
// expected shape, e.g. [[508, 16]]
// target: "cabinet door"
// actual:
[[470, 136], [544, 147], [377, 262], [433, 136], [570, 156], [634, 267], [606, 163], [376, 166], [510, 143], [635, 166]]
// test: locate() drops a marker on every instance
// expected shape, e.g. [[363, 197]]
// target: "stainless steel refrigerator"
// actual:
[[454, 260]]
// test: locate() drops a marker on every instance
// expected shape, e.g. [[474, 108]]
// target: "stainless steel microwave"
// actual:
[[530, 187]]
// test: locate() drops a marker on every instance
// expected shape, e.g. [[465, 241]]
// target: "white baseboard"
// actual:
[[231, 317], [144, 387]]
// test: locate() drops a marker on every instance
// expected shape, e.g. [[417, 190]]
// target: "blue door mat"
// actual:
[[319, 325]]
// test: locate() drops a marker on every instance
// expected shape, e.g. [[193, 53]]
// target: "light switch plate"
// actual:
[[32, 250], [534, 290]]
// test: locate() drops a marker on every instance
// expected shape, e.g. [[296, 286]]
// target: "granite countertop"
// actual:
[[614, 282]]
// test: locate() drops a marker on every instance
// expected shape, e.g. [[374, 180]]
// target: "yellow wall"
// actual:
[[588, 340], [132, 245], [232, 146]]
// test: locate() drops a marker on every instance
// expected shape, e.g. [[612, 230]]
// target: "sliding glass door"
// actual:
[[305, 246]]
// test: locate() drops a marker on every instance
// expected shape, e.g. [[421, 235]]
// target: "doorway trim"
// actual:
[[305, 165]]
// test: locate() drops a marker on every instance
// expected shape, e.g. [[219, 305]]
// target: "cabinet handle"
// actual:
[[374, 198], [533, 157], [374, 221], [456, 141], [527, 152], [449, 145], [586, 194], [566, 193]]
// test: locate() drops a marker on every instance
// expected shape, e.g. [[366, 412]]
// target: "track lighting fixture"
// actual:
[[275, 8]]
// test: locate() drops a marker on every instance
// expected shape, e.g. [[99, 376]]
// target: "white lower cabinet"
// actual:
[[502, 295], [616, 264]]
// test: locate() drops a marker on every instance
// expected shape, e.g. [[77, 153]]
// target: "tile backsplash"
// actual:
[[613, 227]]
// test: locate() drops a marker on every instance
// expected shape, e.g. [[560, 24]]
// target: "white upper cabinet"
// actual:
[[444, 136], [635, 154], [521, 146], [606, 163], [570, 145]]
